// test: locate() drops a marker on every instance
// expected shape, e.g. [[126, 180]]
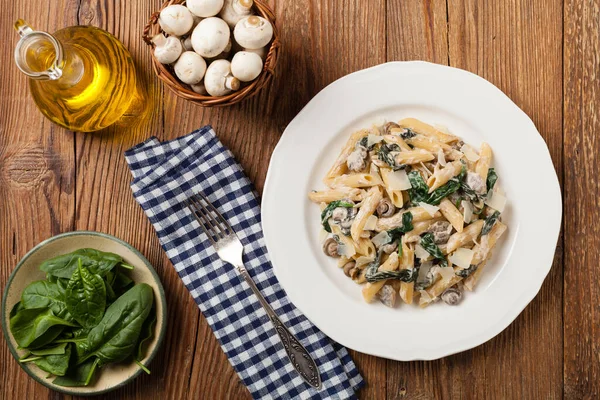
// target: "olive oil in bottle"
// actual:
[[82, 77]]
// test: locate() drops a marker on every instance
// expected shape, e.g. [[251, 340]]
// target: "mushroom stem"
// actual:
[[242, 6], [232, 83]]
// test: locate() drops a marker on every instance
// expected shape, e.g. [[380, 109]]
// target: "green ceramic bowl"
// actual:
[[114, 375]]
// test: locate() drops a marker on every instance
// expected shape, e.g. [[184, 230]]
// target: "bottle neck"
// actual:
[[41, 56]]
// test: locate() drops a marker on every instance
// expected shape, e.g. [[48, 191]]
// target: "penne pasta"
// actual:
[[339, 166], [370, 289], [367, 209], [442, 175], [427, 130], [383, 211], [340, 193], [451, 213], [354, 181], [485, 159]]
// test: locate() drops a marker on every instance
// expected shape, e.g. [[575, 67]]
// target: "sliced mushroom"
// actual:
[[350, 269], [441, 231], [330, 248], [451, 296], [339, 214], [476, 182], [390, 247], [385, 208], [387, 295], [356, 160], [389, 126]]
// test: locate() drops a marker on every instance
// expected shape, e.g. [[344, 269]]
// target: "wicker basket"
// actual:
[[166, 74]]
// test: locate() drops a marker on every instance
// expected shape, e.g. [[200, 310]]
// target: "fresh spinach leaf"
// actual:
[[115, 337], [55, 364], [42, 294], [16, 308], [98, 262], [30, 324], [54, 350], [465, 273], [328, 211], [428, 243], [81, 375], [489, 223], [146, 335], [491, 179], [122, 283], [86, 297]]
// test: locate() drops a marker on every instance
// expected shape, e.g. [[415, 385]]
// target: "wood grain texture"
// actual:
[[581, 190], [53, 181]]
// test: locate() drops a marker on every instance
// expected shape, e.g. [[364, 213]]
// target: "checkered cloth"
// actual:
[[165, 174]]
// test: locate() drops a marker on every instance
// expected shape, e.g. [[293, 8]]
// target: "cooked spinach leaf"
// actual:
[[408, 133], [404, 275], [328, 211], [428, 243], [465, 273], [407, 226], [385, 155], [489, 223], [491, 179], [420, 191], [86, 297], [436, 197]]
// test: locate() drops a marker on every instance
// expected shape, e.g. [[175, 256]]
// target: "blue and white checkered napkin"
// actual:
[[165, 174]]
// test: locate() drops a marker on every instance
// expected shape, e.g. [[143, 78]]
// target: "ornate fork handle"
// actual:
[[299, 357]]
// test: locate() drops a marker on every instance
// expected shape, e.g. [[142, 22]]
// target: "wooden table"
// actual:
[[544, 54]]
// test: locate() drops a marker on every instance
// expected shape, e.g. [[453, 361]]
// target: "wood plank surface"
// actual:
[[581, 193], [53, 181]]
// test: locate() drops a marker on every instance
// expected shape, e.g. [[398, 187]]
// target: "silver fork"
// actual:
[[230, 249]]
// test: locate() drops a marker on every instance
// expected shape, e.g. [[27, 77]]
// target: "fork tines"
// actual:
[[211, 221]]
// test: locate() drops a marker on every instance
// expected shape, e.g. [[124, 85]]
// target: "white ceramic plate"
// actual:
[[471, 108]]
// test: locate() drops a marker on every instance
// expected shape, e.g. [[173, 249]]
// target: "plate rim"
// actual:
[[149, 358], [526, 297]]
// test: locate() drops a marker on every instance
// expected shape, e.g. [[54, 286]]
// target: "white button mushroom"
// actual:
[[234, 10], [168, 49], [246, 66], [262, 52], [253, 32], [187, 44], [204, 8], [199, 88], [190, 68], [218, 80], [176, 20], [211, 37]]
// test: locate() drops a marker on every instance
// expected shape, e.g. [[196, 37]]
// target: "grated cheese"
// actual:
[[421, 253], [469, 153], [431, 210], [446, 273], [496, 200], [441, 158], [373, 139], [467, 211], [371, 223], [346, 251], [381, 238], [425, 297], [462, 257], [398, 180]]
